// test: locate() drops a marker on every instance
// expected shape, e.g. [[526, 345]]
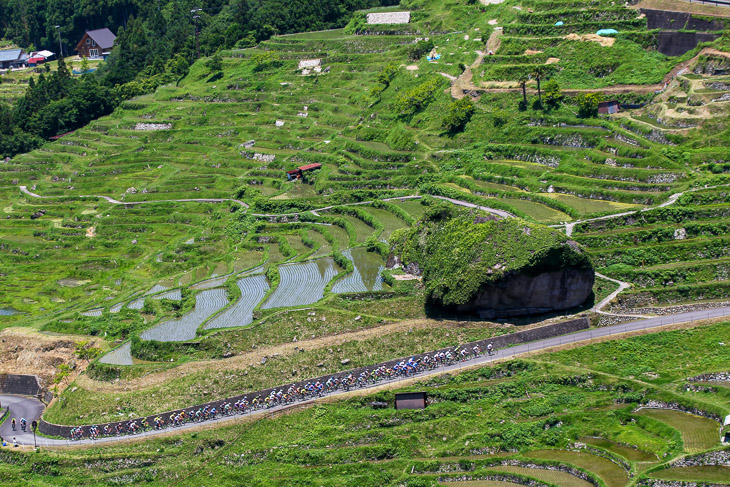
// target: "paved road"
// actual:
[[20, 407], [32, 408]]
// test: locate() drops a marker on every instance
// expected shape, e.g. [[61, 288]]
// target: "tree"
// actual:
[[458, 115], [522, 79], [63, 371], [540, 72], [588, 104], [84, 65], [233, 34], [553, 96], [86, 351]]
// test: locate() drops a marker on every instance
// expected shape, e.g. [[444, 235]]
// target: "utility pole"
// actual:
[[60, 48], [196, 16]]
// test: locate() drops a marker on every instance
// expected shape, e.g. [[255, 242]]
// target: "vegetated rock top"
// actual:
[[463, 254]]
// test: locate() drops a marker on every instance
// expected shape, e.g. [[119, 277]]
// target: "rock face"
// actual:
[[521, 294], [478, 265]]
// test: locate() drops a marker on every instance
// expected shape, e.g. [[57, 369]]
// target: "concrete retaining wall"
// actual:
[[666, 20], [22, 385], [503, 341], [677, 43]]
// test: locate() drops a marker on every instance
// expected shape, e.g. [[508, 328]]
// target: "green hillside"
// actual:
[[176, 235]]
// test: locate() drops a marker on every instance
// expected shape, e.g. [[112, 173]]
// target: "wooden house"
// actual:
[[96, 44]]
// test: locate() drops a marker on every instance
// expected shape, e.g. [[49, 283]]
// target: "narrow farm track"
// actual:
[[621, 287], [30, 407], [501, 213], [111, 200], [670, 201]]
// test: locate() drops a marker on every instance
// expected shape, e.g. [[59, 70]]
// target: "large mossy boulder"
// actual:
[[474, 263]]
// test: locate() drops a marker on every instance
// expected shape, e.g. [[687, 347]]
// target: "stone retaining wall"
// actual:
[[653, 404], [22, 385], [499, 342]]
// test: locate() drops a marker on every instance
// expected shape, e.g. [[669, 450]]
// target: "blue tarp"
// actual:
[[438, 56], [605, 32], [559, 22]]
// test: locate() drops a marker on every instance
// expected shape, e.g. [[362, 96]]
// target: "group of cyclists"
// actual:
[[23, 424], [292, 394]]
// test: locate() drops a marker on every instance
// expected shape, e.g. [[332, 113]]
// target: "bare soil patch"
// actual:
[[26, 351], [604, 41]]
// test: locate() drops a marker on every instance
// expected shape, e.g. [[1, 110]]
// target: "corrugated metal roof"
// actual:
[[103, 37], [310, 166], [10, 54]]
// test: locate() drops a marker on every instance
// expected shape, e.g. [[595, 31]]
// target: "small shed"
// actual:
[[410, 400], [299, 172], [609, 107]]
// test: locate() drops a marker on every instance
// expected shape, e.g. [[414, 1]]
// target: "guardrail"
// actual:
[[712, 2]]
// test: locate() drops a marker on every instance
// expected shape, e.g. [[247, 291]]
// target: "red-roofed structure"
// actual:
[[56, 137], [299, 172]]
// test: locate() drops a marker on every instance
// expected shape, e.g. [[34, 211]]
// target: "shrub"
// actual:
[[265, 60], [420, 48], [458, 115], [553, 96], [588, 104], [388, 73], [214, 63], [416, 98]]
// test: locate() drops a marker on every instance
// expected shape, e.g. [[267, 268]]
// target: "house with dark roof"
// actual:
[[12, 58], [96, 43]]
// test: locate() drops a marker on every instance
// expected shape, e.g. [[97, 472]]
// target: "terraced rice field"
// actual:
[[698, 433], [630, 454], [365, 277], [707, 473], [412, 206], [301, 284], [120, 356], [210, 283], [138, 303], [253, 289], [207, 303], [174, 295], [563, 479], [611, 473], [92, 312]]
